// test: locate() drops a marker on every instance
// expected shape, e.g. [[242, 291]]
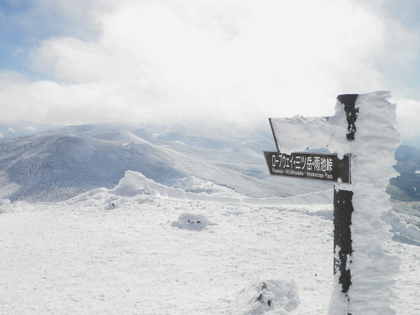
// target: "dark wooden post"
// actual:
[[343, 207]]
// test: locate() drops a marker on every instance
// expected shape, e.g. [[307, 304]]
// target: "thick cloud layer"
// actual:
[[183, 60]]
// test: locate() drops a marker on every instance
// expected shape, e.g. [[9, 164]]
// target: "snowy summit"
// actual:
[[115, 219]]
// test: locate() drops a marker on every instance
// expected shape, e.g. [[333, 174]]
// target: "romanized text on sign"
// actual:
[[309, 165]]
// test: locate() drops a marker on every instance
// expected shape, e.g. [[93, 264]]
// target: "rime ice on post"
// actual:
[[373, 148], [363, 126]]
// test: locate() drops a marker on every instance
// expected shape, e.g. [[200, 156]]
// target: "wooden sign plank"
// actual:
[[319, 166]]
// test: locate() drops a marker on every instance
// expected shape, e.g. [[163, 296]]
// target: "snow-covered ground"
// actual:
[[138, 249]]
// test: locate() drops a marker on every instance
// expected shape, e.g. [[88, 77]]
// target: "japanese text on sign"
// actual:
[[308, 165]]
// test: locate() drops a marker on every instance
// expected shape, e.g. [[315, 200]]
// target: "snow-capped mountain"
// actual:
[[23, 128], [57, 164], [61, 163], [406, 187]]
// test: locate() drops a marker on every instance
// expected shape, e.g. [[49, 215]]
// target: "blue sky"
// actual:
[[179, 61]]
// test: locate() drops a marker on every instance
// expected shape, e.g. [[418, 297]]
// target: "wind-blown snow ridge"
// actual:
[[135, 183]]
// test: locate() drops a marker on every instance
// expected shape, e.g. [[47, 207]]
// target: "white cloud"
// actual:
[[408, 117], [182, 59]]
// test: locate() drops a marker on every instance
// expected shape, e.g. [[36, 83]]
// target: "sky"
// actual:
[[199, 61]]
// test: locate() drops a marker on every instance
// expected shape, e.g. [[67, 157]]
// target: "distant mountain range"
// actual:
[[406, 187], [22, 129], [38, 163], [60, 163]]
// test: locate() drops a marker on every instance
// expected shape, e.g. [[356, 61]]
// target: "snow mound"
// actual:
[[135, 183], [189, 221], [271, 296], [400, 227]]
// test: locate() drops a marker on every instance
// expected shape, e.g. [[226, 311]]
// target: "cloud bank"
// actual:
[[193, 60]]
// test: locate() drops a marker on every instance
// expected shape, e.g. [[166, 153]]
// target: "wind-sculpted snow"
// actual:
[[276, 296], [135, 183], [400, 227]]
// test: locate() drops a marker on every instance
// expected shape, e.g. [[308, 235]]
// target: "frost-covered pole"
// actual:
[[363, 271], [343, 207]]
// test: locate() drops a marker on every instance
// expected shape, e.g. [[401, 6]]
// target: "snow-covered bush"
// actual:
[[274, 296], [191, 221]]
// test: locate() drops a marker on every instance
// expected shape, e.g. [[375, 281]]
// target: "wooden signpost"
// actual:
[[327, 167], [363, 136]]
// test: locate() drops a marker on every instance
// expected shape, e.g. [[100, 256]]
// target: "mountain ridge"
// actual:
[[60, 163]]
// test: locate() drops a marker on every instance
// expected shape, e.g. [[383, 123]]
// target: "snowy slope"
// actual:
[[55, 167]]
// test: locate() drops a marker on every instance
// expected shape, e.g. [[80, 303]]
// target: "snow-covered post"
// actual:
[[362, 127], [343, 204], [364, 272]]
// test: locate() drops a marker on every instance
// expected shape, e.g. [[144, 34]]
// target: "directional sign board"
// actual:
[[310, 165]]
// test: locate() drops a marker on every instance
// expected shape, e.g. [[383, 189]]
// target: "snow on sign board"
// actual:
[[318, 166]]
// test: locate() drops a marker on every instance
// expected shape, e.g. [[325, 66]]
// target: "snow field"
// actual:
[[407, 285], [87, 258], [104, 253]]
